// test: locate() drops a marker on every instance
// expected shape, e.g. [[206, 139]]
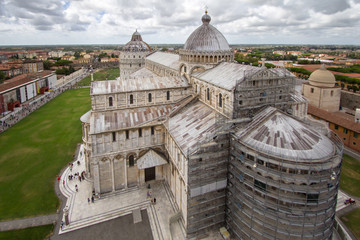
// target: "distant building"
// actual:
[[68, 57], [324, 104], [321, 90], [343, 124], [294, 53], [32, 66], [11, 70], [282, 53], [82, 61], [22, 88]]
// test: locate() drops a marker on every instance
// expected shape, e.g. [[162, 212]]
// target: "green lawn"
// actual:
[[103, 74], [34, 151], [350, 176], [35, 233], [352, 221]]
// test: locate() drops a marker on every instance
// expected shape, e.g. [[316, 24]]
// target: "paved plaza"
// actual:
[[118, 228]]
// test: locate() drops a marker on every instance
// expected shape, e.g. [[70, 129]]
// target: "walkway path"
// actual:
[[28, 222], [352, 153]]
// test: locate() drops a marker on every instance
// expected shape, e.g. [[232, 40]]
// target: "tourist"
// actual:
[[88, 200], [92, 199], [76, 188]]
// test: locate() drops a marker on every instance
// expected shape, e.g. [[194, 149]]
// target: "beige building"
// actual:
[[229, 140], [321, 91]]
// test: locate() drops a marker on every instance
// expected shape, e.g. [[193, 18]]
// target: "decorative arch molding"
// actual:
[[118, 157], [197, 68], [131, 153]]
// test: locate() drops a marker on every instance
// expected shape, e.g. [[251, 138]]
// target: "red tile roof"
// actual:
[[22, 79], [337, 118]]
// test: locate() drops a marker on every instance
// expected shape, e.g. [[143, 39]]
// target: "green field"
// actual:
[[350, 176], [34, 151], [35, 233], [352, 221], [103, 74]]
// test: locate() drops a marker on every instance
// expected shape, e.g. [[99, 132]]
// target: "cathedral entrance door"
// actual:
[[149, 174]]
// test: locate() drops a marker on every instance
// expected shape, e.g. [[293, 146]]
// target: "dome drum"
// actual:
[[206, 57]]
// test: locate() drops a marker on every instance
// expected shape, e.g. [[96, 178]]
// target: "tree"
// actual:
[[77, 55], [2, 76], [63, 63], [355, 88], [47, 64]]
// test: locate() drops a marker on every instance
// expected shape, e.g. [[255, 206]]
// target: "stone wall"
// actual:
[[350, 100]]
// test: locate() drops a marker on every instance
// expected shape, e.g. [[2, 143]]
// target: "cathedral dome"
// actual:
[[206, 38], [136, 44], [322, 78]]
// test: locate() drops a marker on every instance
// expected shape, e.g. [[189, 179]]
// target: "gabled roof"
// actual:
[[150, 159], [192, 125], [275, 133], [137, 84], [22, 79], [334, 117], [166, 59], [108, 121], [226, 75], [86, 117], [142, 72]]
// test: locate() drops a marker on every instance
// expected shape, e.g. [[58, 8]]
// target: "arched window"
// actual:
[[131, 99], [131, 160], [220, 100], [208, 94], [110, 101], [168, 95], [149, 97]]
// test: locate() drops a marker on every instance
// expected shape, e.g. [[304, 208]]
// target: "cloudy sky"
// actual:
[[171, 21]]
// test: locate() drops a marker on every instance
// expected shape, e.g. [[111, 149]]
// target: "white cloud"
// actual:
[[164, 21]]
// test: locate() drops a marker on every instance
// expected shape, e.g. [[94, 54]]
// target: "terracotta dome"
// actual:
[[322, 78], [206, 38]]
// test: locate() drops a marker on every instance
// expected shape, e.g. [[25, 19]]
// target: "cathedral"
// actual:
[[231, 141]]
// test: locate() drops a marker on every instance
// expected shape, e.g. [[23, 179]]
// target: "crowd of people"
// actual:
[[10, 119]]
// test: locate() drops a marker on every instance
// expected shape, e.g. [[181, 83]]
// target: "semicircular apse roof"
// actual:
[[283, 136]]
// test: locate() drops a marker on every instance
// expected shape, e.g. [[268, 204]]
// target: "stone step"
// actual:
[[103, 217], [137, 215], [116, 193]]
